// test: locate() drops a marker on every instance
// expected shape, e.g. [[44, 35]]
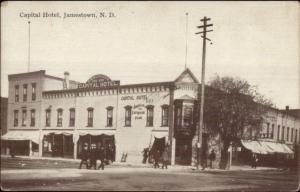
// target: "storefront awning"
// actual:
[[266, 147], [96, 132], [57, 132], [22, 136]]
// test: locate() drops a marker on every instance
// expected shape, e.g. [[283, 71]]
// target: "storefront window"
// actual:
[[72, 117], [33, 96], [128, 116], [164, 115], [48, 117], [17, 93], [90, 116], [32, 118], [150, 109], [25, 92], [59, 117], [16, 115], [109, 116], [24, 117]]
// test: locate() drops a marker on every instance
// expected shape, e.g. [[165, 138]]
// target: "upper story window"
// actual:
[[282, 133], [272, 133], [268, 129], [24, 117], [128, 116], [25, 92], [292, 134], [90, 117], [188, 116], [16, 118], [72, 117], [150, 109], [164, 115], [32, 118], [17, 93], [59, 117], [178, 112], [109, 120], [33, 91], [278, 132], [296, 135], [48, 117], [287, 134]]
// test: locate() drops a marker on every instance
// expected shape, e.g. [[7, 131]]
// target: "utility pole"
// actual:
[[201, 127]]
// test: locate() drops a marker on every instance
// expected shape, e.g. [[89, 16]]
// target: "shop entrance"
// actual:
[[108, 141], [58, 145], [183, 152], [158, 144]]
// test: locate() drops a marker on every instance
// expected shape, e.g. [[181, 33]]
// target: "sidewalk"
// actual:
[[139, 165]]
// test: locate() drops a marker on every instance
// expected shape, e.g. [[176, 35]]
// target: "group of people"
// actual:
[[90, 157], [158, 156]]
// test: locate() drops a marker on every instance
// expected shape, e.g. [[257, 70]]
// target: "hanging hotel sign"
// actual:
[[98, 81]]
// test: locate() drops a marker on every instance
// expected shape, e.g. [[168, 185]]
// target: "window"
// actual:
[[296, 135], [287, 134], [17, 93], [72, 117], [33, 91], [150, 109], [32, 118], [25, 92], [272, 133], [292, 134], [178, 116], [164, 115], [109, 120], [24, 116], [278, 132], [48, 117], [188, 116], [16, 115], [59, 117], [128, 116], [282, 133], [90, 117], [268, 131]]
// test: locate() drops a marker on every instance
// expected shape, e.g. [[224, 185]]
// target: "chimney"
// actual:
[[66, 81], [287, 108]]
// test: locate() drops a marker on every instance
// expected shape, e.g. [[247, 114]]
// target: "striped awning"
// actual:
[[266, 147]]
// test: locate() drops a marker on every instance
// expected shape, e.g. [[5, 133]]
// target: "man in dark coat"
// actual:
[[212, 157], [165, 159], [101, 157], [156, 158], [84, 156], [145, 154], [93, 157]]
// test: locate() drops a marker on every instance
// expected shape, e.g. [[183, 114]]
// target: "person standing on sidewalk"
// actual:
[[156, 158], [145, 155], [84, 156], [212, 158], [93, 157], [101, 157], [165, 159]]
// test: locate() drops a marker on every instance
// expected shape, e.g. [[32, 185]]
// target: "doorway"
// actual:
[[183, 152]]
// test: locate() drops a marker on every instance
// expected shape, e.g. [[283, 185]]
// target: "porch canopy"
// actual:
[[266, 147], [22, 136]]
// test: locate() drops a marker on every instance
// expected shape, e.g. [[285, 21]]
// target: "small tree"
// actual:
[[232, 105]]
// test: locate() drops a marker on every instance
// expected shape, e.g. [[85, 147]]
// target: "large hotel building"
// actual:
[[53, 117]]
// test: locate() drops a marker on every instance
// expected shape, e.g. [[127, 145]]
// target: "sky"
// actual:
[[146, 42]]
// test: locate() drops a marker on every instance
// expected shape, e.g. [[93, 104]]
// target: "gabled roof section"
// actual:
[[186, 97], [187, 77]]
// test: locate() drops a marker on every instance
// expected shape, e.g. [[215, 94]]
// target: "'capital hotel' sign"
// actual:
[[98, 81]]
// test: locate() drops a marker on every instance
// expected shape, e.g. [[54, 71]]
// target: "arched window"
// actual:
[[164, 115], [128, 116], [90, 116], [150, 109], [109, 120]]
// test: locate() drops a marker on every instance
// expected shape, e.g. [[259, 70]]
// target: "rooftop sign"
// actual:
[[98, 81]]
